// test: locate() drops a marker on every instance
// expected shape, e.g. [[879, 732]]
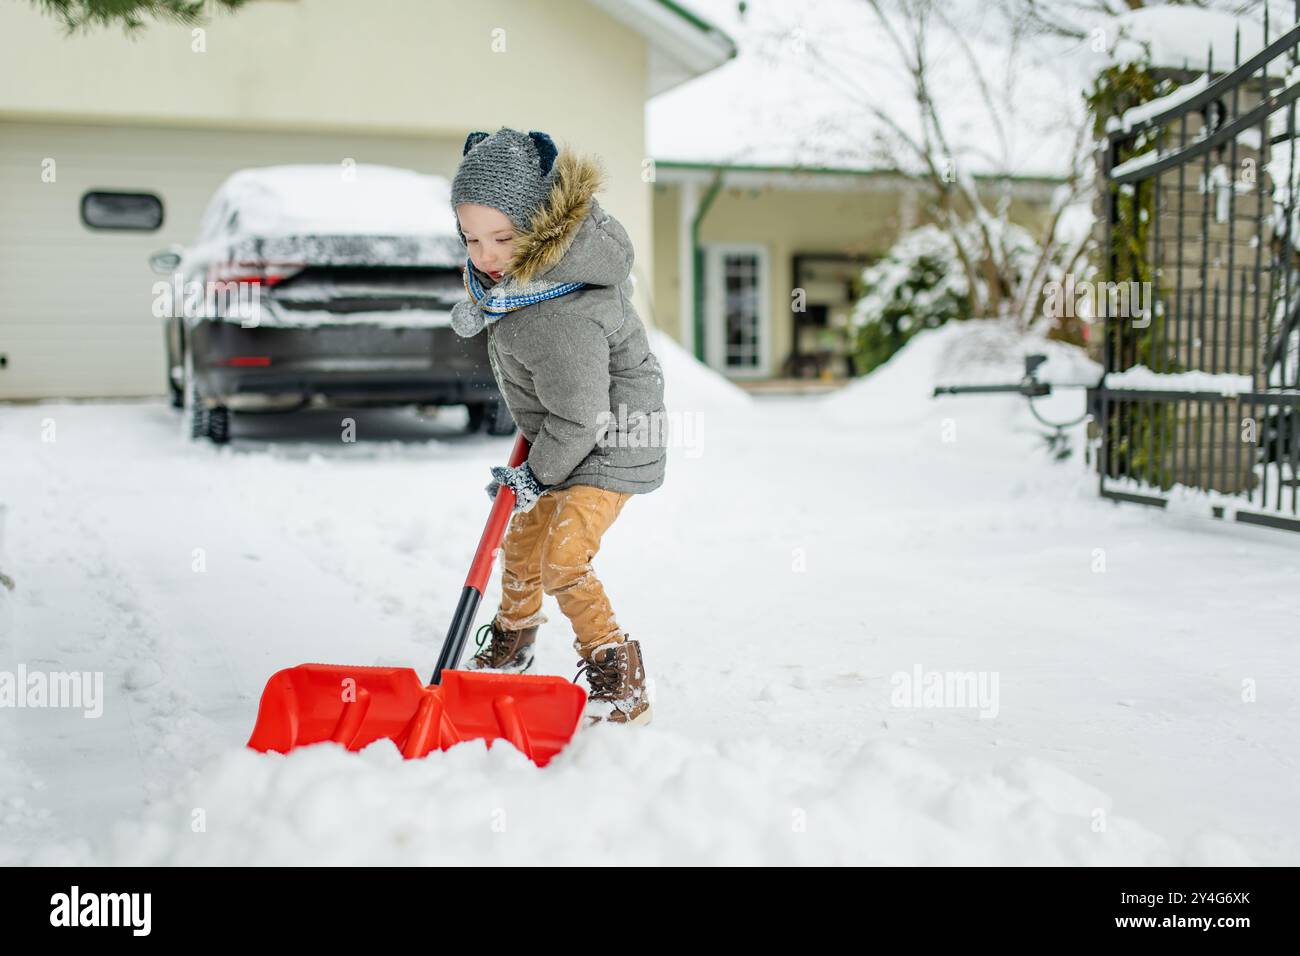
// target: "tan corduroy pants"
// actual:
[[549, 549]]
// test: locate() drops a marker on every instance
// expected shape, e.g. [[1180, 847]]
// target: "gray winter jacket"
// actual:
[[576, 371]]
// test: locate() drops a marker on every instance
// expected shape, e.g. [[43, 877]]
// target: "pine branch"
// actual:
[[131, 15]]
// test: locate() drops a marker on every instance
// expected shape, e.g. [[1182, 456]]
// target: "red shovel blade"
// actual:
[[355, 706]]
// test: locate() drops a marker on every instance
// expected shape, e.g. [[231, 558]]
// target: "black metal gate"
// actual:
[[1201, 397]]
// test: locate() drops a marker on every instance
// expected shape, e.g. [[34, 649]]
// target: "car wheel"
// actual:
[[498, 420], [477, 416], [195, 411], [219, 424], [205, 422], [198, 421]]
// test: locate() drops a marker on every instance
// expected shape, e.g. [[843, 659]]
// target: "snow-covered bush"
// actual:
[[923, 281], [918, 284]]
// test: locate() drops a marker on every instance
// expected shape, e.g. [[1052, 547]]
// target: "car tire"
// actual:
[[198, 423], [219, 425], [210, 423], [194, 412], [491, 417], [477, 416], [497, 419], [204, 422]]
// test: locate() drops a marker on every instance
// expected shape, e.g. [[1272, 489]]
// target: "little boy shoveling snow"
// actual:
[[548, 277]]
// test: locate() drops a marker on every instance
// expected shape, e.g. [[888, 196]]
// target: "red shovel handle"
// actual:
[[498, 520], [480, 569]]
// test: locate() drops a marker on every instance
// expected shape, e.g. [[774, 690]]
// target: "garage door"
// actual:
[[75, 302]]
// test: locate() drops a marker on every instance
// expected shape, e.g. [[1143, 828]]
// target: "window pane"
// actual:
[[741, 310], [105, 210]]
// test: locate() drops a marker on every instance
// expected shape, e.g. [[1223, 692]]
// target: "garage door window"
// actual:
[[107, 210]]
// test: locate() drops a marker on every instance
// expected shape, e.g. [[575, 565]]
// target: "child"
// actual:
[[548, 277]]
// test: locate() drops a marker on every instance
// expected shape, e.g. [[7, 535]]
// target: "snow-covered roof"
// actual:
[[840, 179], [332, 199], [683, 44]]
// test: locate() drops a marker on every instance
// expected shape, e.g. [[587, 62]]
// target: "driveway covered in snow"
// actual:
[[810, 569]]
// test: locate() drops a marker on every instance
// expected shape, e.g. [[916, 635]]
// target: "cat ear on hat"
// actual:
[[546, 150], [472, 140]]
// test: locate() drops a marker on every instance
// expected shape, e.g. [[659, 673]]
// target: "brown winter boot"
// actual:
[[616, 679], [501, 650]]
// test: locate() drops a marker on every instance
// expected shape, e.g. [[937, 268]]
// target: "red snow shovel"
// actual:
[[356, 706]]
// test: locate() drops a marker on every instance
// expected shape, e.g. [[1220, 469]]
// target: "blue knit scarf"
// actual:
[[487, 305]]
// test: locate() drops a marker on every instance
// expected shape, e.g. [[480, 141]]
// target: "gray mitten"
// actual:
[[522, 482]]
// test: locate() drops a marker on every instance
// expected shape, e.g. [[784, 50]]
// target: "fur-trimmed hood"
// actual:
[[574, 184], [571, 238]]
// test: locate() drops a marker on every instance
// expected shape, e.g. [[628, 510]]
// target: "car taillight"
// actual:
[[255, 273], [246, 360]]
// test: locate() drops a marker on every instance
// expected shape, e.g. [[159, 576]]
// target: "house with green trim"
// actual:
[[757, 267]]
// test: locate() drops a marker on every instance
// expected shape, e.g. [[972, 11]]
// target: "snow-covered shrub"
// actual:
[[922, 282], [918, 284]]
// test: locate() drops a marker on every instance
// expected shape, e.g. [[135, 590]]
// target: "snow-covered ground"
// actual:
[[805, 562]]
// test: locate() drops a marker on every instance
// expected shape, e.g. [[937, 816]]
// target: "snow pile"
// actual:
[[951, 544], [973, 352], [689, 384], [325, 199], [608, 800], [21, 793], [984, 353]]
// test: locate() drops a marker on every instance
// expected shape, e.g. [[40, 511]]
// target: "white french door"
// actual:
[[736, 304]]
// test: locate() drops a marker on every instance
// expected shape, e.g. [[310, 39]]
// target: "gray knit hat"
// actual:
[[508, 170]]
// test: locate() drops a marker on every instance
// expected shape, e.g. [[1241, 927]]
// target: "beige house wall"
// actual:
[[786, 222]]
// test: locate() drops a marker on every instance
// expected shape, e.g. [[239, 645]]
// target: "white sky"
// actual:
[[768, 105]]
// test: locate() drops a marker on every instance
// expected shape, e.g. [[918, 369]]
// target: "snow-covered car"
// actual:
[[321, 286]]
